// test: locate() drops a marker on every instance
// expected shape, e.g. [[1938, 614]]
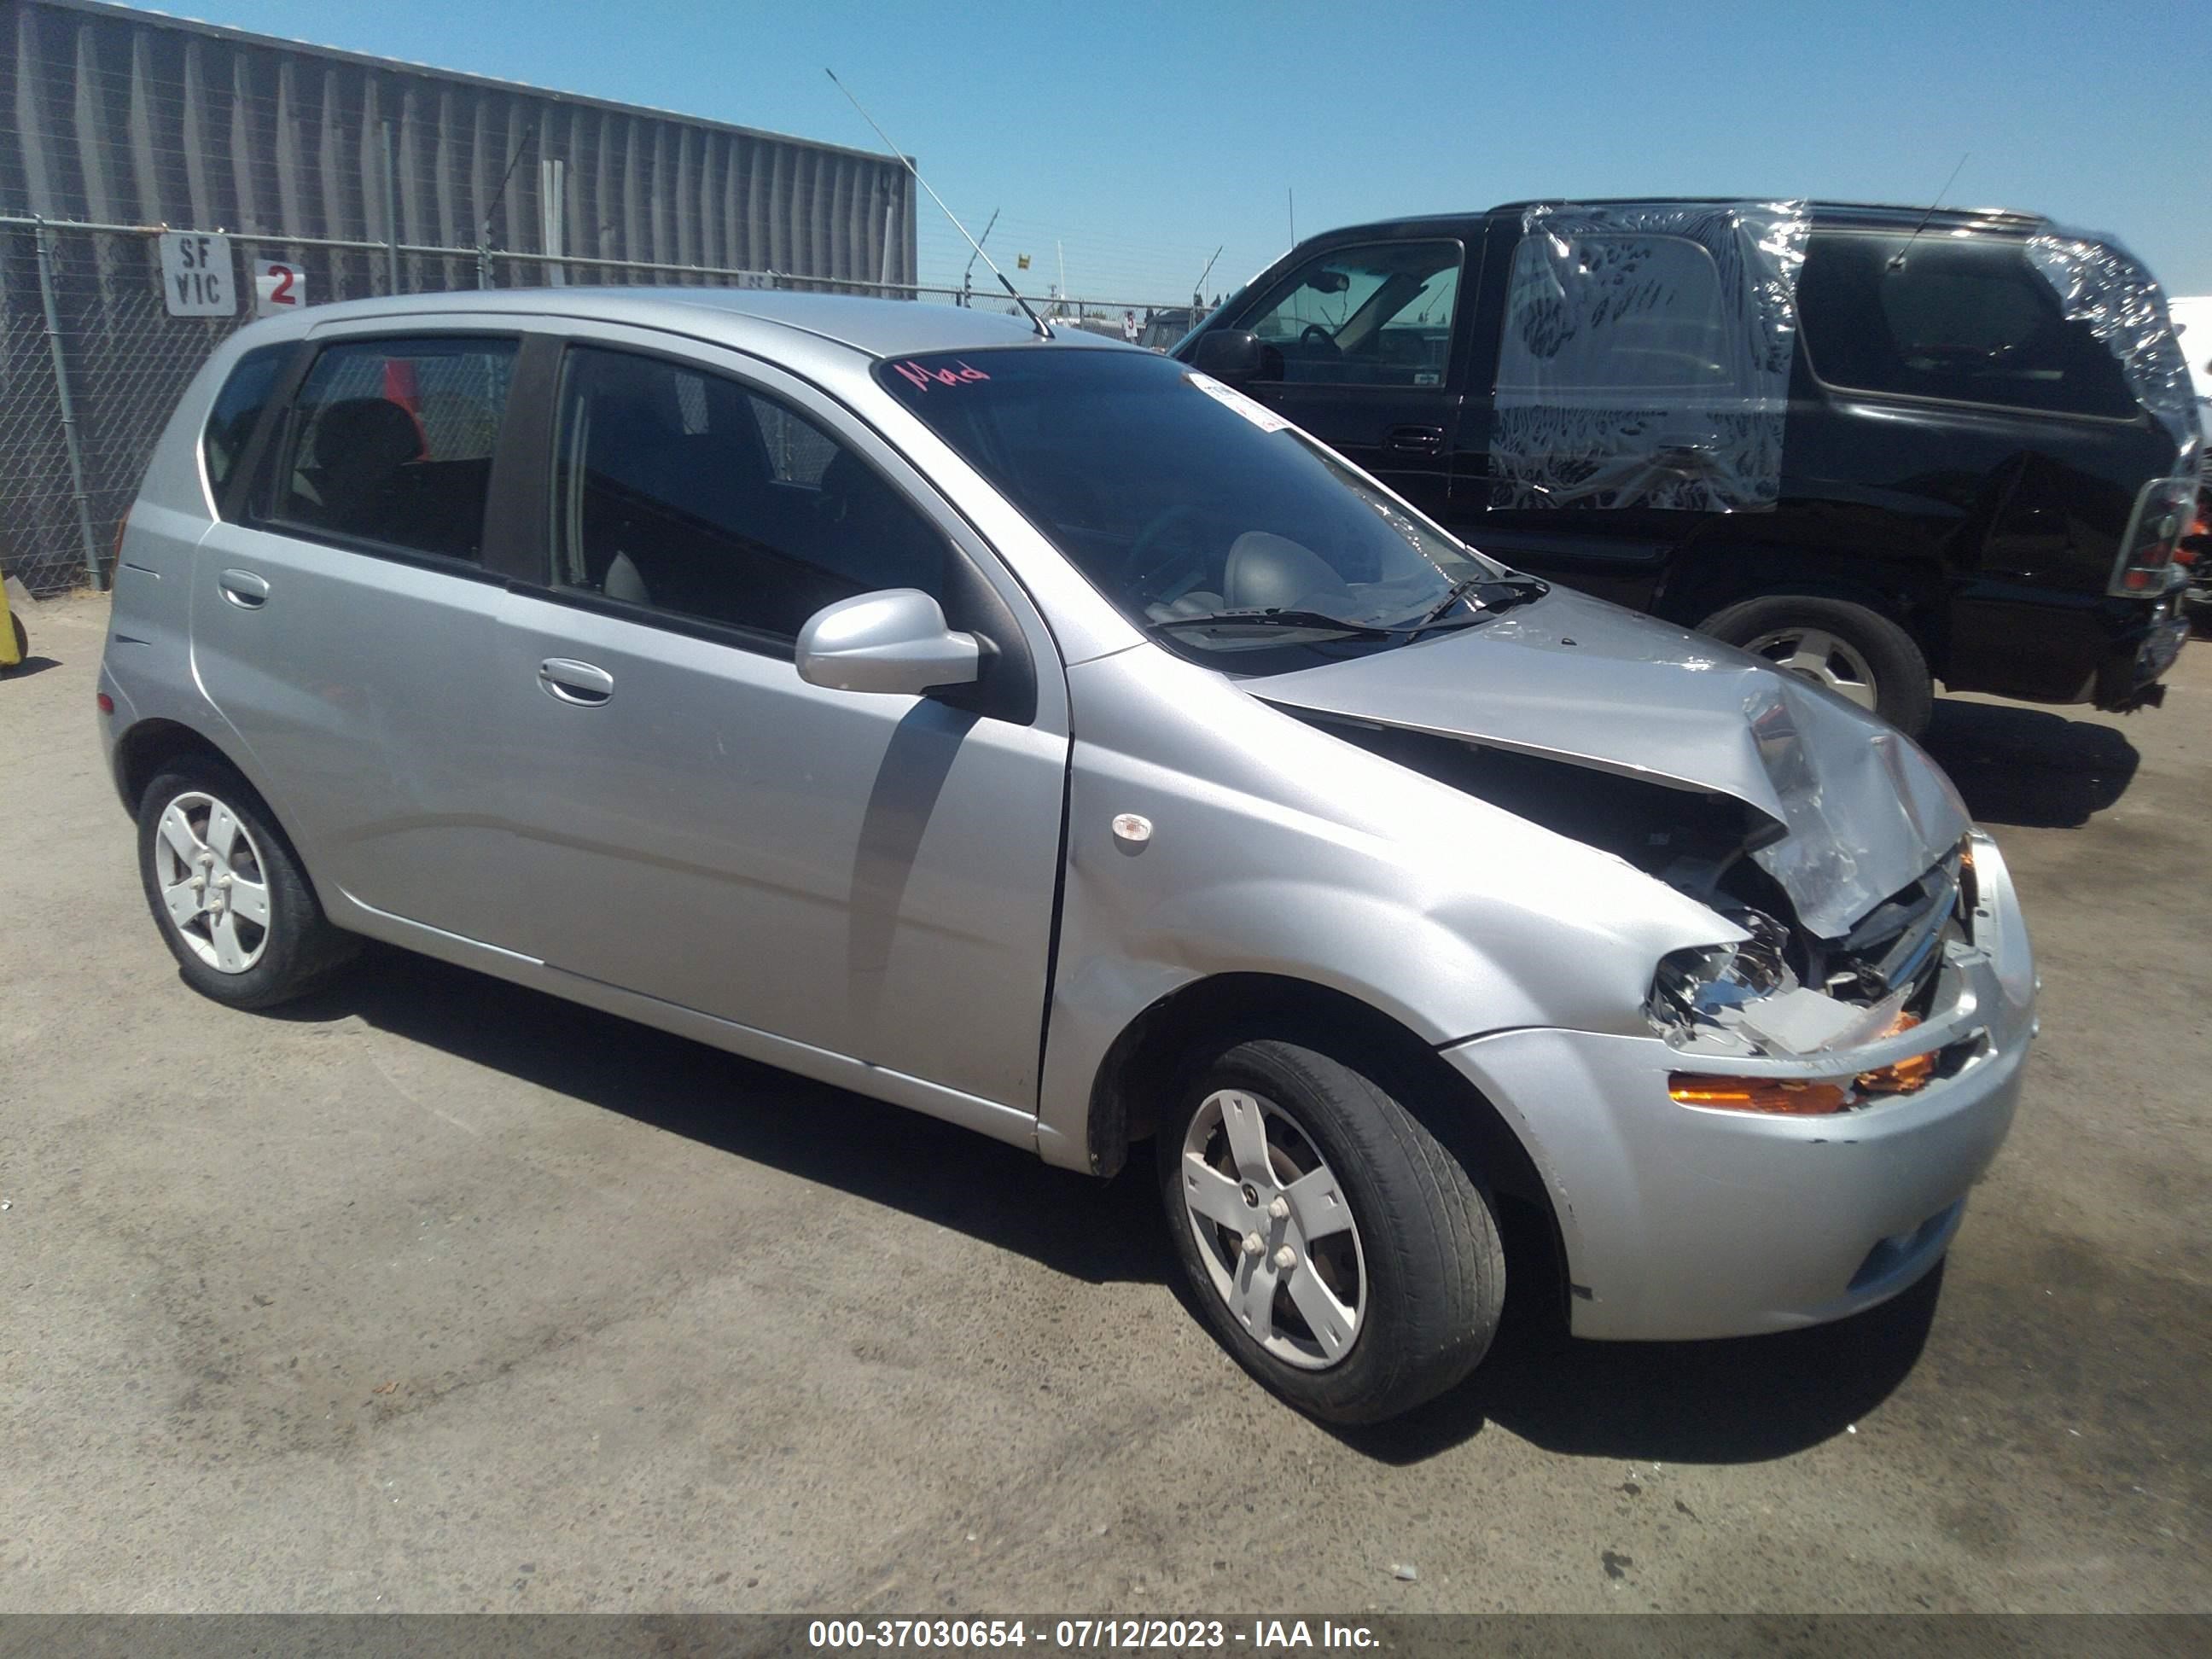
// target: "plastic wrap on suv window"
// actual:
[[2100, 283], [1696, 431]]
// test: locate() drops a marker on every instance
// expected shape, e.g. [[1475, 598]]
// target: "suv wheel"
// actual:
[[1342, 1255], [227, 892], [1855, 652]]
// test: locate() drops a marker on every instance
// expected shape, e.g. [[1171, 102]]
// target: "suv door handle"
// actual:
[[575, 681], [1415, 439], [244, 589]]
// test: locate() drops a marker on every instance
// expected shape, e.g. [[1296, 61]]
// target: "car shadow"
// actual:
[[1099, 1232], [2029, 767], [1732, 1401], [1743, 1399]]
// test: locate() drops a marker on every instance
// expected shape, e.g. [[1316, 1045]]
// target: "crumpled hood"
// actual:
[[1575, 680]]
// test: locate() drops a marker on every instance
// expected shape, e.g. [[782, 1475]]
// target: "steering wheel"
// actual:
[[1137, 577], [1315, 334]]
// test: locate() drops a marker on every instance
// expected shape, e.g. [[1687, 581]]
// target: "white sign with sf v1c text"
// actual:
[[196, 275]]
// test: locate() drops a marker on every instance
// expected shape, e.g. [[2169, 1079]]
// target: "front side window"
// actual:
[[390, 441], [1199, 513], [687, 493], [1963, 319], [237, 412], [1367, 316]]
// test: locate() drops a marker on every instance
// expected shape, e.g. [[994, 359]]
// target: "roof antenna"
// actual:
[[483, 235], [980, 241], [1897, 259], [1200, 287], [908, 164]]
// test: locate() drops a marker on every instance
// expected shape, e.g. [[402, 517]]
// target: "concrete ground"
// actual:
[[435, 1294]]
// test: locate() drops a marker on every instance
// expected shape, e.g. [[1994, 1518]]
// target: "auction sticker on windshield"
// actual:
[[1259, 413]]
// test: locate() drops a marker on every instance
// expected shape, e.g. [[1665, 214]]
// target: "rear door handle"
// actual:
[[244, 589], [1415, 439], [575, 681]]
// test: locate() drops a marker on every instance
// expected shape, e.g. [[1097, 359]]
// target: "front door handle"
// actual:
[[1415, 439], [575, 681], [244, 589]]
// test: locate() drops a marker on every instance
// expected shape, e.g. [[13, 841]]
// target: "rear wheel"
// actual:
[[227, 892], [1858, 653], [1339, 1251]]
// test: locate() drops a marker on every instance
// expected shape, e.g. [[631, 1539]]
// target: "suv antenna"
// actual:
[[907, 162], [1897, 259]]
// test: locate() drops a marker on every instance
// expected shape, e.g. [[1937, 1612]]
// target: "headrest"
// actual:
[[367, 432]]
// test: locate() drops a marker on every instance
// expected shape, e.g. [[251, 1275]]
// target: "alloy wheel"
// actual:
[[1825, 658], [1275, 1229], [213, 881]]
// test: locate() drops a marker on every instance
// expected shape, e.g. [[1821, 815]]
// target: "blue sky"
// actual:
[[1139, 137]]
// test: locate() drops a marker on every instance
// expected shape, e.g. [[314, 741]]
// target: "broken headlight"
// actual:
[[1702, 984]]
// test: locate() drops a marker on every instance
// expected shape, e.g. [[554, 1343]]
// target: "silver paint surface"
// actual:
[[862, 888]]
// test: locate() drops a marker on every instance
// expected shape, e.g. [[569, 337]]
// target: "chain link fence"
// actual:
[[92, 361]]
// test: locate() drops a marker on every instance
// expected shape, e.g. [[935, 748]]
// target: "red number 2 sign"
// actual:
[[278, 287]]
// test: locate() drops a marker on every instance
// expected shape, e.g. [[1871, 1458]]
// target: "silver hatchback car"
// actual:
[[1033, 733]]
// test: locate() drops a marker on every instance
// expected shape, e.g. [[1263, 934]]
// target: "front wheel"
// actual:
[[1859, 654], [1339, 1251]]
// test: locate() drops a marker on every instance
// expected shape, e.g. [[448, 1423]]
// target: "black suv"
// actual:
[[1873, 444]]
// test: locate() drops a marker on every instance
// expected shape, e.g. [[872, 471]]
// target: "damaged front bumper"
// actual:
[[1684, 1222]]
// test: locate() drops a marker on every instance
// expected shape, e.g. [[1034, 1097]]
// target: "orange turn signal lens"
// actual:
[[1906, 1075], [1807, 1097], [1786, 1096]]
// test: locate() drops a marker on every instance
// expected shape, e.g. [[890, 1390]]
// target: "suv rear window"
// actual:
[[390, 441], [1965, 319], [237, 410]]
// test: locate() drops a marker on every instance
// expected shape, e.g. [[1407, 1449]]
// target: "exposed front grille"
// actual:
[[1898, 946]]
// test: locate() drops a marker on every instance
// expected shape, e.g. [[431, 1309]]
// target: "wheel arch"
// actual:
[[153, 744], [1225, 1008], [1703, 580]]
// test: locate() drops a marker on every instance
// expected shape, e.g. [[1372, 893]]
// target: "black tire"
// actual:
[[298, 949], [1434, 1269], [1903, 692]]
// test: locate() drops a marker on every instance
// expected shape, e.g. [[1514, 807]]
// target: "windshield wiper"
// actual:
[[1489, 593], [1252, 618]]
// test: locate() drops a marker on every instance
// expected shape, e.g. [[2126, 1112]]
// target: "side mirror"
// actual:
[[894, 639], [1228, 354]]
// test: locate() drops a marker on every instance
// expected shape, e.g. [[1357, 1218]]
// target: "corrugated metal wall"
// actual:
[[119, 116]]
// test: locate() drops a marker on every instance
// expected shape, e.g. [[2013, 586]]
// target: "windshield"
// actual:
[[1199, 514]]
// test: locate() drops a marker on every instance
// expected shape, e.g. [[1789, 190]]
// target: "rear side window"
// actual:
[[1608, 313], [1965, 319], [390, 441], [237, 410]]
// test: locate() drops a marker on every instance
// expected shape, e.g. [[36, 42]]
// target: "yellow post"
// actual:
[[13, 643]]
